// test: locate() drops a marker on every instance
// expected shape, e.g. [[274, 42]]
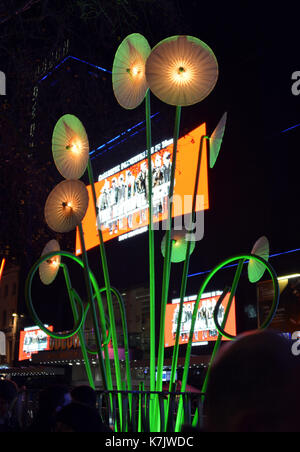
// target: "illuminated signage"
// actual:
[[205, 328], [33, 340], [2, 268], [64, 344], [122, 191]]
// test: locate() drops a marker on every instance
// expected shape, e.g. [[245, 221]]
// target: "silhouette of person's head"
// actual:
[[253, 386], [8, 394], [53, 398], [84, 394], [78, 417]]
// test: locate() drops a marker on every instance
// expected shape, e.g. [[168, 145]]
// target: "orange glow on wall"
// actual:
[[132, 213], [205, 330], [2, 267]]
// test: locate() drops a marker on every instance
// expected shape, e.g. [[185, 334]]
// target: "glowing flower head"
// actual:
[[70, 147], [49, 268], [128, 73], [181, 70], [66, 205]]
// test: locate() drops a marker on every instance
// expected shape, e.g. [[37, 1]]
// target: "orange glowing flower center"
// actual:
[[54, 263], [67, 204], [75, 147], [181, 73], [136, 70]]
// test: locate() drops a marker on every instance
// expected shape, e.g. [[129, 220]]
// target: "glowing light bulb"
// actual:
[[54, 263], [181, 73], [67, 204], [76, 147], [135, 70]]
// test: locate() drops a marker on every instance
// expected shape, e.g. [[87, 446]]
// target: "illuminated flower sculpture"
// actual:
[[181, 70], [66, 205], [70, 147], [131, 88], [128, 73], [49, 268]]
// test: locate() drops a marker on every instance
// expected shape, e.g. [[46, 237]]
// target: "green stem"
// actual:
[[81, 331], [167, 259], [228, 307], [126, 342], [93, 309], [188, 352], [185, 270], [108, 294], [151, 246]]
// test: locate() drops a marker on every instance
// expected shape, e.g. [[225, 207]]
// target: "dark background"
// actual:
[[254, 187]]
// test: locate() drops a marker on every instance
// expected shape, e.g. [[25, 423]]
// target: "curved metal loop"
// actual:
[[28, 285], [108, 337], [106, 342], [122, 307], [275, 296], [125, 332]]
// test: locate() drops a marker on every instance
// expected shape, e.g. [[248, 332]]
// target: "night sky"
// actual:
[[254, 187]]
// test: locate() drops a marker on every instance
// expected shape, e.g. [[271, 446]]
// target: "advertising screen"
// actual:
[[122, 191], [33, 340], [205, 329]]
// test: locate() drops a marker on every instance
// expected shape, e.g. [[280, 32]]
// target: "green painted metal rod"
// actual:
[[80, 332], [92, 305], [185, 269], [151, 260], [108, 291], [226, 314], [185, 273], [218, 342], [79, 323], [125, 334], [215, 350], [32, 311], [151, 246], [167, 258], [202, 289]]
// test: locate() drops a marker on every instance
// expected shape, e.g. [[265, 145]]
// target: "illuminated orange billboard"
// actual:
[[33, 340], [205, 329], [122, 191]]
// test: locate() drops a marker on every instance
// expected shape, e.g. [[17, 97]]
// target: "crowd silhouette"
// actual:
[[253, 387]]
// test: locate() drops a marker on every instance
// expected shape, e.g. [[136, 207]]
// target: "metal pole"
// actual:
[[167, 259], [92, 305], [81, 331]]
